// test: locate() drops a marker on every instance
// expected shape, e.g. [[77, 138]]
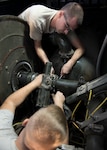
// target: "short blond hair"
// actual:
[[49, 124], [73, 9]]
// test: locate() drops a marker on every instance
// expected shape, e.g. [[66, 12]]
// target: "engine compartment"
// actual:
[[85, 89]]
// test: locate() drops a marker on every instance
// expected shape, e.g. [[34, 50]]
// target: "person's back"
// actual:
[[38, 18]]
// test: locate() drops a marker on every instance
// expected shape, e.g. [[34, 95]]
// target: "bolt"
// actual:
[[6, 67], [16, 61], [23, 52], [8, 82]]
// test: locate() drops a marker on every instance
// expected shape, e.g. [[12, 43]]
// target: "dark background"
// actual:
[[95, 11], [94, 24]]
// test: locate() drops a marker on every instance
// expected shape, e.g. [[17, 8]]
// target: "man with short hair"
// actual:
[[42, 19]]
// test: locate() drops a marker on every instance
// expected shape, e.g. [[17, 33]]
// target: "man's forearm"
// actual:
[[42, 55], [77, 54], [19, 96], [40, 52]]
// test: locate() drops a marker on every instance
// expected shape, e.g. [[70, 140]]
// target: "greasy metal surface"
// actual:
[[83, 67], [15, 47]]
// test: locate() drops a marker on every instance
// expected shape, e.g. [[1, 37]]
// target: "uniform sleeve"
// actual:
[[35, 31]]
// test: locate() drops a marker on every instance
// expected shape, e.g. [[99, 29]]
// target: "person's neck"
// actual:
[[20, 143], [53, 21]]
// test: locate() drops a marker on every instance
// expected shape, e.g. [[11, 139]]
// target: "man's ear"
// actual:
[[61, 13], [24, 123]]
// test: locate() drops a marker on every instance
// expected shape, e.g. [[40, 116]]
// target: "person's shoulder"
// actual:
[[41, 7], [38, 6]]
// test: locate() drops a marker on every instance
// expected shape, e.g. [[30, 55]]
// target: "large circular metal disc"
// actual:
[[16, 50]]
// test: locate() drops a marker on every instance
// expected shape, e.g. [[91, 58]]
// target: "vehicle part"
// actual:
[[16, 53]]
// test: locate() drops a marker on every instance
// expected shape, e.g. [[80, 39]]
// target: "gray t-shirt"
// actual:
[[7, 132], [38, 18]]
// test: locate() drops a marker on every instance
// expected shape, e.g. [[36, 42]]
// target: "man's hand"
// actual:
[[58, 99], [38, 80], [66, 69], [52, 71]]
